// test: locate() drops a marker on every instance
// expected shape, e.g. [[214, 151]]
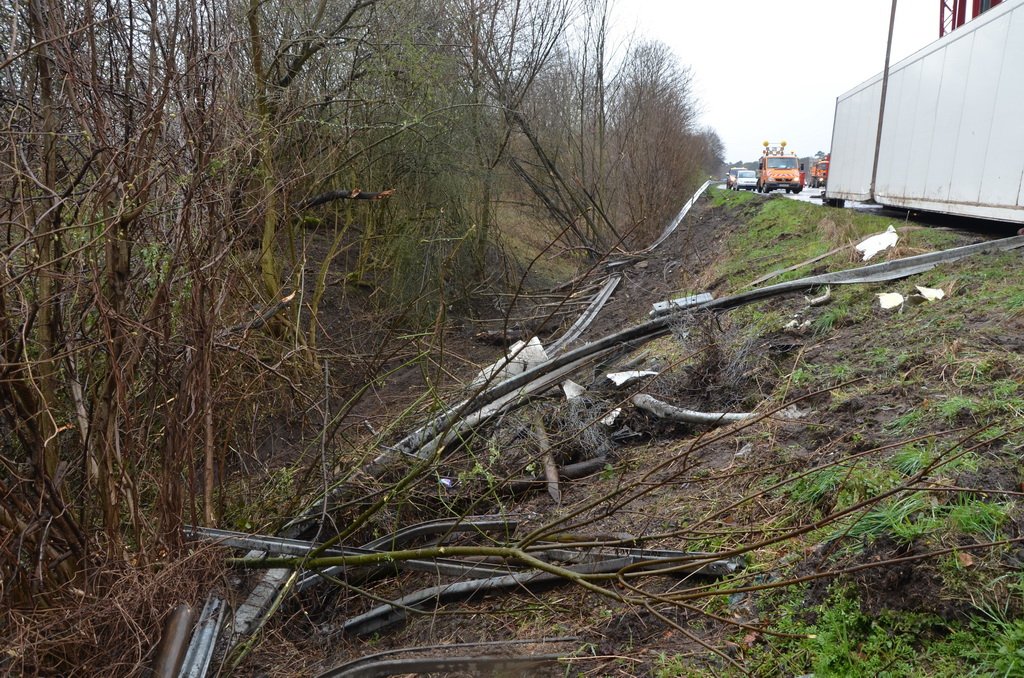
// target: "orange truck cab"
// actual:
[[779, 169], [819, 172]]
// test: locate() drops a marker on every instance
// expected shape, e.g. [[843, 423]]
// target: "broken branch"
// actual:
[[354, 194]]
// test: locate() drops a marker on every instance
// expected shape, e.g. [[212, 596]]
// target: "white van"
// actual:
[[746, 180]]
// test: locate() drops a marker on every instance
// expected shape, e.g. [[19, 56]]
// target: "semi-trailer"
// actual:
[[952, 132]]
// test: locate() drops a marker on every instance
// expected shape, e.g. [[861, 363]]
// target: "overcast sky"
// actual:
[[772, 70]]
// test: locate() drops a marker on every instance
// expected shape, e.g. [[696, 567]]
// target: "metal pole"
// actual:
[[171, 651], [881, 105]]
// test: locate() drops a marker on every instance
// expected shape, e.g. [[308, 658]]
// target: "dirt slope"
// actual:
[[876, 475]]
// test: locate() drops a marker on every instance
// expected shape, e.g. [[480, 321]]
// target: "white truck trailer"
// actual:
[[952, 136]]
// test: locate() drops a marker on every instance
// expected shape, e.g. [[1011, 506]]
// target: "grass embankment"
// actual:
[[901, 457]]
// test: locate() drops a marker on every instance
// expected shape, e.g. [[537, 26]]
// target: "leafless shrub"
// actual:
[[158, 166], [716, 365], [113, 630]]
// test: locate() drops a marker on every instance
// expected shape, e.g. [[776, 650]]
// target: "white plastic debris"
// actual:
[[521, 357], [620, 378], [571, 389], [931, 293], [792, 412], [796, 325], [610, 418], [872, 245], [890, 299]]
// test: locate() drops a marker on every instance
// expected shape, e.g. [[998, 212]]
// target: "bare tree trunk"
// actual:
[[45, 219]]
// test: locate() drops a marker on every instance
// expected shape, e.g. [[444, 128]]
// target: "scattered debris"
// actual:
[[611, 417], [649, 330], [822, 299], [792, 412], [623, 378], [424, 440], [890, 300], [872, 245], [521, 357], [924, 294], [572, 390], [930, 293], [931, 296], [625, 433], [797, 326]]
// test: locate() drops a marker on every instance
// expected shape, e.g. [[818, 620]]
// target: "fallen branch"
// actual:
[[354, 194], [259, 321]]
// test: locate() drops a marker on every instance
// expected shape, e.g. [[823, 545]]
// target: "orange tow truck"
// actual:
[[778, 169], [819, 172]]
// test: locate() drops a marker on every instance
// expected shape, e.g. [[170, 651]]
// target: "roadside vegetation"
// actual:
[[227, 226], [898, 462], [249, 246]]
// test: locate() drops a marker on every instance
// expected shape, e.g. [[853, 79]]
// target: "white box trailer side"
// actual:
[[953, 130]]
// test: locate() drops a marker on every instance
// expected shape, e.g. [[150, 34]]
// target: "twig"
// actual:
[[354, 194], [259, 321]]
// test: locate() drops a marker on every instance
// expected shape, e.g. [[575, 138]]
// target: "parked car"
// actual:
[[730, 180], [746, 180]]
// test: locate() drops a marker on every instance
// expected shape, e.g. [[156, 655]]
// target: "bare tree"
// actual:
[[652, 118], [113, 277]]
